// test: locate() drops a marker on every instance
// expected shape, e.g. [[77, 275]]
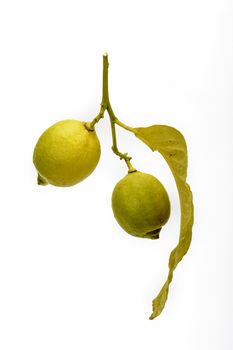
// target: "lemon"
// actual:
[[141, 204], [66, 153]]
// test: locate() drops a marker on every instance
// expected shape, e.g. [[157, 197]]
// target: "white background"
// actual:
[[70, 278]]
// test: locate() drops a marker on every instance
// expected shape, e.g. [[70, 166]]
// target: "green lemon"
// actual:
[[141, 205], [66, 153]]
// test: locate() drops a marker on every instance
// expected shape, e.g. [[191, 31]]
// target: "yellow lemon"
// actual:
[[141, 204], [66, 153]]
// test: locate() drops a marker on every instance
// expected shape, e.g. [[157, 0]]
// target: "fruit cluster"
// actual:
[[67, 152]]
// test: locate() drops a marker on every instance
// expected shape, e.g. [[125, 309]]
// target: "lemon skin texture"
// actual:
[[66, 153], [141, 205]]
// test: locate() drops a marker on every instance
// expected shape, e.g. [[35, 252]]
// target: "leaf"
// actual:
[[171, 144]]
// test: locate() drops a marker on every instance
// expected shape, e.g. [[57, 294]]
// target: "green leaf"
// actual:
[[171, 144]]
